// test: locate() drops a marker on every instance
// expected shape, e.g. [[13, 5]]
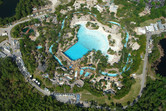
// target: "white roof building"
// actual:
[[6, 50], [4, 34], [99, 8], [113, 8], [141, 30], [155, 27], [149, 28], [75, 74]]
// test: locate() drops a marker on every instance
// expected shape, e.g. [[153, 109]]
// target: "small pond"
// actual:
[[161, 67], [7, 9]]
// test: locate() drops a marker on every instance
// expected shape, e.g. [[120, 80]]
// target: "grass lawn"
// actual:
[[135, 88], [139, 71], [2, 38], [87, 96], [64, 1], [151, 72], [146, 23], [38, 76]]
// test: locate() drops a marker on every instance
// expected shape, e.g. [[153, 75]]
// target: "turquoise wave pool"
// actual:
[[87, 41]]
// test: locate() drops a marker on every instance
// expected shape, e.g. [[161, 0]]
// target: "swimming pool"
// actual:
[[114, 23], [87, 74], [50, 50], [87, 41], [39, 47], [81, 72], [77, 51], [109, 74], [88, 68]]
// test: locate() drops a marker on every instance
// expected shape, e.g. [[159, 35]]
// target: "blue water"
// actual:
[[109, 74], [81, 72], [50, 50], [124, 68], [114, 23], [87, 74], [88, 68], [77, 51], [92, 14], [87, 41], [63, 23], [78, 98], [127, 34], [127, 39], [39, 47], [125, 45]]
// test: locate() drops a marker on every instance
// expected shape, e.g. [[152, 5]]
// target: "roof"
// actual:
[[160, 25], [2, 55], [150, 28]]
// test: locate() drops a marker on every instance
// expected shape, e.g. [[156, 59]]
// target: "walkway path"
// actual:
[[145, 65], [8, 29]]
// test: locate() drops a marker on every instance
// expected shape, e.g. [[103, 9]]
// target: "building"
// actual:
[[155, 27], [140, 30], [6, 50], [4, 34], [78, 3], [99, 8], [160, 25], [2, 55], [113, 8], [149, 28]]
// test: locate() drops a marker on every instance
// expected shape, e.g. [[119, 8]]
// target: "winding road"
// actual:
[[17, 54], [8, 30], [143, 80]]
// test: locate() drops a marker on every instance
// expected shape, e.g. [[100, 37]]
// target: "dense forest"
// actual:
[[155, 51], [23, 8], [153, 98], [1, 2]]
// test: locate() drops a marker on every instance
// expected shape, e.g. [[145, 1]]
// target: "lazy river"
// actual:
[[50, 50], [89, 40]]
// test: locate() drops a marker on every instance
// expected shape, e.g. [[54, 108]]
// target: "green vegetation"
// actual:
[[133, 93], [93, 25], [16, 94], [16, 31], [2, 38], [130, 12], [1, 2], [23, 9], [26, 47], [62, 89], [155, 51], [127, 82], [89, 87], [153, 97], [87, 96]]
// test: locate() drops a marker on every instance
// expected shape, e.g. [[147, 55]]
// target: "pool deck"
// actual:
[[63, 55]]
